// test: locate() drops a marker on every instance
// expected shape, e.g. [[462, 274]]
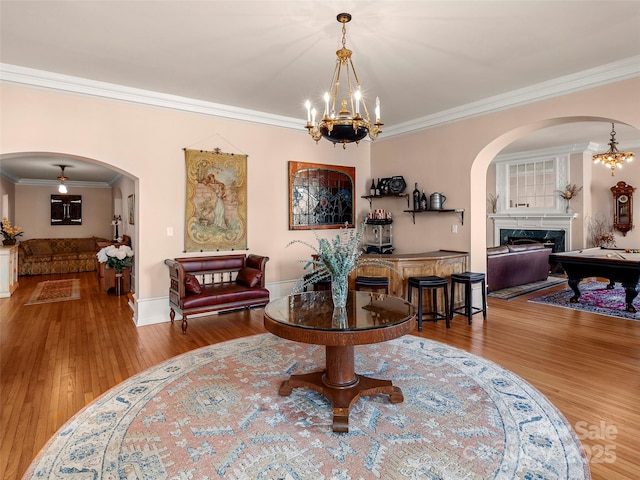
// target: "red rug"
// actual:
[[215, 413], [594, 298], [55, 291]]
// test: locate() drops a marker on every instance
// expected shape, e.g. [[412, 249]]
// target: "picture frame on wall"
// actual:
[[321, 196], [131, 205]]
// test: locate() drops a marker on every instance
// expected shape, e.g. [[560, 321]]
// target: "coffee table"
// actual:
[[368, 318]]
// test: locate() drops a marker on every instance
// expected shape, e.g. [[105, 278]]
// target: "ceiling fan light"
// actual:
[[62, 188]]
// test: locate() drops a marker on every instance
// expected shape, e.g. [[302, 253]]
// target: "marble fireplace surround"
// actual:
[[552, 227]]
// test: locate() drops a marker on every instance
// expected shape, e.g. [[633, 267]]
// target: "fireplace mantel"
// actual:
[[533, 216]]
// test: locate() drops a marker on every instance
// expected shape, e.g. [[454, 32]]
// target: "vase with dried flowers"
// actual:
[[492, 202], [9, 233], [334, 260], [569, 192]]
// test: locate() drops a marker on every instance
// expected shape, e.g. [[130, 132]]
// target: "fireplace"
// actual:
[[550, 238], [551, 228]]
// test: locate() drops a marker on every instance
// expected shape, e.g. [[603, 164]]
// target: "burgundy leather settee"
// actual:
[[512, 265], [210, 284]]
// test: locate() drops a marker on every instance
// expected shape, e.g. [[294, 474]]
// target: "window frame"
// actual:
[[503, 185]]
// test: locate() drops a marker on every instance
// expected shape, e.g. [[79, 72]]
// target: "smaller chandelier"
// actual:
[[613, 158], [343, 126], [62, 188]]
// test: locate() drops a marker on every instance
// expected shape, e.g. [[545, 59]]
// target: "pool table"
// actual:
[[615, 264]]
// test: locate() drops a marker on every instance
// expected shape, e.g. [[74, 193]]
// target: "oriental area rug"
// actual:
[[594, 298], [55, 291], [215, 413]]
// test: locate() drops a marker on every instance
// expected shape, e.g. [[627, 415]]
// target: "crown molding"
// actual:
[[543, 153], [56, 81], [586, 79], [602, 75], [54, 183]]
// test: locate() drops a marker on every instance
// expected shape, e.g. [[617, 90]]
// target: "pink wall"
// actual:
[[454, 159], [147, 144], [33, 213]]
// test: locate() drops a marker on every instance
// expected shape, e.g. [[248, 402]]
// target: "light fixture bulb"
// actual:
[[62, 188]]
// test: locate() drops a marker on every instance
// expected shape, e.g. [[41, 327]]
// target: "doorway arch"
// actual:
[[480, 165], [35, 169]]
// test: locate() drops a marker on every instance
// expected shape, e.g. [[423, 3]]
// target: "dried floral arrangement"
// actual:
[[569, 191], [492, 202], [600, 231]]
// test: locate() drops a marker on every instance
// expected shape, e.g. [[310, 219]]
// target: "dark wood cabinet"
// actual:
[[66, 209]]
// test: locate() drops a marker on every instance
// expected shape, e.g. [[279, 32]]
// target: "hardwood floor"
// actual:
[[55, 358]]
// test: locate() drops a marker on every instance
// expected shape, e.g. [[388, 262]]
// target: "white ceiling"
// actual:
[[421, 58]]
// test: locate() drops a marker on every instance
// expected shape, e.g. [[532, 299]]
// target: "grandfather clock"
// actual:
[[622, 207]]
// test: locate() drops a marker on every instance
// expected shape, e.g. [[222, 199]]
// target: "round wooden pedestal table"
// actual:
[[370, 318]]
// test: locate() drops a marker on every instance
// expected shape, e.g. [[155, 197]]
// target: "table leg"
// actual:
[[341, 385], [573, 283], [630, 293]]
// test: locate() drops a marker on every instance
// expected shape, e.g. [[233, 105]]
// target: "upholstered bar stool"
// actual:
[[372, 283], [432, 283], [467, 279], [324, 284]]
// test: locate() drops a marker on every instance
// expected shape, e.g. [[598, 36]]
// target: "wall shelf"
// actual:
[[444, 210], [387, 195]]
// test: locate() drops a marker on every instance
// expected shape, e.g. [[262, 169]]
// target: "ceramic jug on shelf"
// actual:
[[437, 201]]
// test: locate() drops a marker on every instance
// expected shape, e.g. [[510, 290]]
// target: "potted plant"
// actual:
[[9, 233], [118, 258], [335, 260]]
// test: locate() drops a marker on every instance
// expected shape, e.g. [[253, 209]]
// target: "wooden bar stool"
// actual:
[[432, 283], [467, 279], [372, 283]]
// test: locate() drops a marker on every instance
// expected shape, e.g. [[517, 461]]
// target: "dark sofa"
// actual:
[[512, 265], [211, 284]]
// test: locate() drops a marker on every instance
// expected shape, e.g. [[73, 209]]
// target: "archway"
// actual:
[[38, 169], [478, 190]]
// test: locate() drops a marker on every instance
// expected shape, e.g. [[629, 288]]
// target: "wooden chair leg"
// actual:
[[184, 323], [172, 315]]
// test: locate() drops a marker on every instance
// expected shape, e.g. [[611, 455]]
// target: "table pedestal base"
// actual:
[[341, 385]]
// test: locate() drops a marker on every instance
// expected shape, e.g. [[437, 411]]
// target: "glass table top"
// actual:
[[364, 311]]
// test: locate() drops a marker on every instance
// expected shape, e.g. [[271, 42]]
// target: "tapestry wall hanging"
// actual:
[[320, 196], [216, 209]]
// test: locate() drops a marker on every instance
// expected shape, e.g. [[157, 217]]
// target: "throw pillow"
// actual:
[[41, 247], [249, 276], [192, 284]]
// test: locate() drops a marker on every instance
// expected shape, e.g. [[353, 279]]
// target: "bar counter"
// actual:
[[441, 263]]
